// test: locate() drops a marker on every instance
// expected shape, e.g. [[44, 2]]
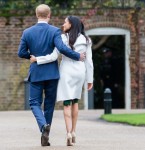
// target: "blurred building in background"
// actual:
[[118, 25]]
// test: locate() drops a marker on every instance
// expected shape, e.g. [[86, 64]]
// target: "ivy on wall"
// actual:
[[7, 7]]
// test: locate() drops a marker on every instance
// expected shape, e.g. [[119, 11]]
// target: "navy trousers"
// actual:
[[37, 90]]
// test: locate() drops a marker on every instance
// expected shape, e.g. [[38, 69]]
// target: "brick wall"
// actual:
[[141, 32], [13, 70]]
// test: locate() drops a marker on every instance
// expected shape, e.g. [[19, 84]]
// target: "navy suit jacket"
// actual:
[[40, 40]]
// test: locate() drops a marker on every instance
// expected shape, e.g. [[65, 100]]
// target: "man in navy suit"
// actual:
[[40, 40]]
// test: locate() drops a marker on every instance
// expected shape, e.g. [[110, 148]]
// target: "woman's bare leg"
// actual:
[[74, 121], [75, 110], [68, 123], [68, 118]]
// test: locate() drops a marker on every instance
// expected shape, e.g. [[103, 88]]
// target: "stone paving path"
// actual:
[[19, 131]]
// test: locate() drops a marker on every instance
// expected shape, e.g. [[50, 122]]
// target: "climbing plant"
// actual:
[[121, 3], [28, 4]]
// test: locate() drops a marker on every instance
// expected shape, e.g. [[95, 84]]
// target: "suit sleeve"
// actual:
[[23, 48], [62, 48], [48, 58], [89, 63]]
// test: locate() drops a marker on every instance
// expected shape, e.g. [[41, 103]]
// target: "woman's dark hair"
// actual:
[[77, 27]]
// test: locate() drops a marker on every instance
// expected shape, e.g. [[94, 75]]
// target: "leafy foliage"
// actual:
[[21, 7], [122, 3], [27, 4]]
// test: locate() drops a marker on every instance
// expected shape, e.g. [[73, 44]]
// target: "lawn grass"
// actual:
[[132, 119]]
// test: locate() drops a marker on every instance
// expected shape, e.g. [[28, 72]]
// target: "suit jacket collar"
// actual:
[[42, 24]]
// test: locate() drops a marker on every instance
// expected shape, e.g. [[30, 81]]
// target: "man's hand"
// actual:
[[90, 85], [33, 59], [82, 56]]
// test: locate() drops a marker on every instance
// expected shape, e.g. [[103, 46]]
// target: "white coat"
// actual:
[[72, 73]]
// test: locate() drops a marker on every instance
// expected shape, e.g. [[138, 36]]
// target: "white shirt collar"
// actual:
[[42, 22]]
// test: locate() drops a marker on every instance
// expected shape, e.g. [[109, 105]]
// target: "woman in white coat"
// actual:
[[72, 73]]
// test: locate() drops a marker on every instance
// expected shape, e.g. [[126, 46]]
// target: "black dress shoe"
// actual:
[[45, 135], [48, 144]]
